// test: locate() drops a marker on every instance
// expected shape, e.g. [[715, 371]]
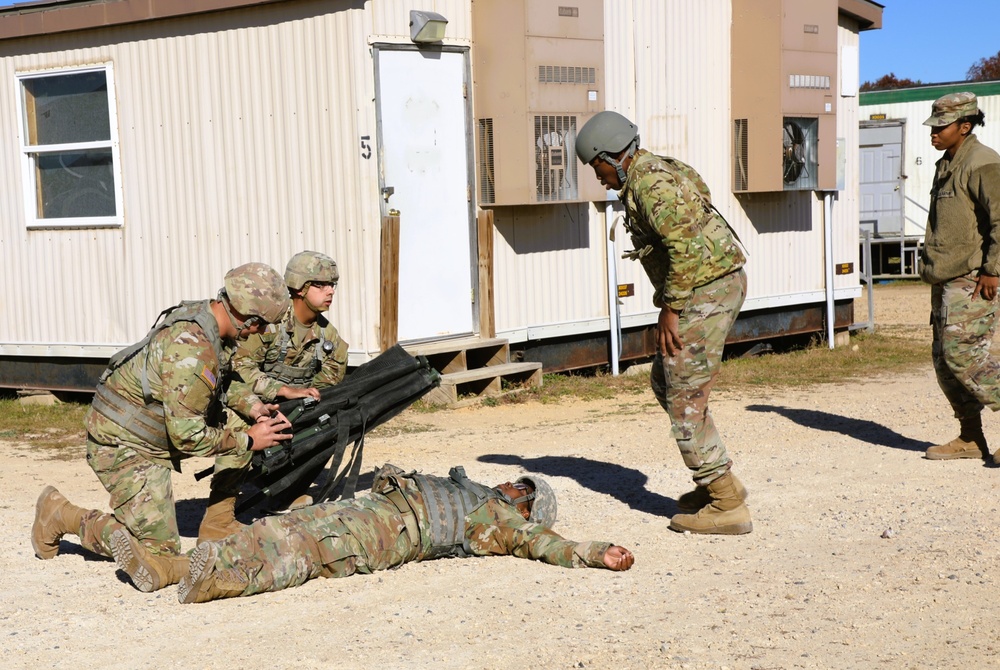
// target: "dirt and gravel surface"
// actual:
[[863, 555]]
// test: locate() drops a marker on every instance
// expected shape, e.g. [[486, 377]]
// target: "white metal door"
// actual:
[[424, 151], [881, 179]]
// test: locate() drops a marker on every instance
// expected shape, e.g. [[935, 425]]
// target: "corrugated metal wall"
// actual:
[[240, 140], [667, 67]]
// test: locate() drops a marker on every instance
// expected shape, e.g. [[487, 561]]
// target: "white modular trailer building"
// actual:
[[897, 166], [151, 145]]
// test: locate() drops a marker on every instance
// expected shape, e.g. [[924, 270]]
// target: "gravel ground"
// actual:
[[863, 554]]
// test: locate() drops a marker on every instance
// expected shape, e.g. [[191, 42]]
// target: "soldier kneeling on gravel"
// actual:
[[407, 517], [160, 401]]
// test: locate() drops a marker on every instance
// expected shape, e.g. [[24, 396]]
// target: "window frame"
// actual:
[[30, 153]]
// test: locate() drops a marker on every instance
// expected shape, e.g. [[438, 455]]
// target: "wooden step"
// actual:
[[447, 356], [483, 382]]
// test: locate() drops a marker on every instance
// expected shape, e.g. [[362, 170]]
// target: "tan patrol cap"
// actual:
[[950, 108]]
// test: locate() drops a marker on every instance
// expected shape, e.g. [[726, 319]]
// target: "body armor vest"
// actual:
[[296, 375], [448, 501], [146, 421]]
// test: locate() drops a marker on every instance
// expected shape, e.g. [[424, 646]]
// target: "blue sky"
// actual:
[[930, 40]]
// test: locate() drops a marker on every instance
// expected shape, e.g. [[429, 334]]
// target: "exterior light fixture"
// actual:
[[426, 27]]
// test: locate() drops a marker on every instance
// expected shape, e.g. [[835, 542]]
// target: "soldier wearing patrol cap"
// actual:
[[161, 401], [696, 267], [407, 516], [961, 261]]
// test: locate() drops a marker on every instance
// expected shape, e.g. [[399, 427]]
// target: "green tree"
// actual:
[[887, 82], [985, 69]]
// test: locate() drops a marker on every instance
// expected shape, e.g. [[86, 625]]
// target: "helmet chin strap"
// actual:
[[302, 294], [224, 299], [629, 152]]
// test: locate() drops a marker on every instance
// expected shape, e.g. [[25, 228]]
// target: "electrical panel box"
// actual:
[[784, 95], [538, 67]]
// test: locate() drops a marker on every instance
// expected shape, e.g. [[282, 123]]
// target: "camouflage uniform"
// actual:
[[185, 376], [372, 533], [962, 240], [316, 350], [690, 255]]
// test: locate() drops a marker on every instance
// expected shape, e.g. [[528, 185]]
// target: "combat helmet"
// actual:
[[606, 135], [256, 289], [543, 506], [309, 266]]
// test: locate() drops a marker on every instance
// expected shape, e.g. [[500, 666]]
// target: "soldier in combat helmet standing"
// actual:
[[690, 255], [407, 517], [161, 401]]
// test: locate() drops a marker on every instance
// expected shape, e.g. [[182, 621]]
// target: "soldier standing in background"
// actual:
[[961, 261], [161, 401], [406, 517], [690, 255]]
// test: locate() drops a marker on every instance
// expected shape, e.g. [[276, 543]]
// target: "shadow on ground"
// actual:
[[860, 429], [624, 484]]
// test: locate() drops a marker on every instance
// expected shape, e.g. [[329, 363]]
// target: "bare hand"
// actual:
[[618, 558], [267, 431], [987, 287], [668, 339], [291, 393], [262, 411]]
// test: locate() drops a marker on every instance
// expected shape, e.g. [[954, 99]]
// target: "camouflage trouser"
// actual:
[[683, 382], [142, 495], [963, 333], [142, 500], [338, 539]]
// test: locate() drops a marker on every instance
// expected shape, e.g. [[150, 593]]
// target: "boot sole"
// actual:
[[954, 456], [42, 550], [731, 529], [127, 559], [200, 567]]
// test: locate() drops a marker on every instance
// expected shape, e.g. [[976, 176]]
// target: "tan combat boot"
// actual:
[[970, 443], [725, 515], [692, 501], [220, 518], [203, 582], [55, 516], [149, 572]]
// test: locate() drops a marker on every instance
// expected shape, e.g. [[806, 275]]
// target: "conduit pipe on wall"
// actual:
[[614, 311], [828, 263]]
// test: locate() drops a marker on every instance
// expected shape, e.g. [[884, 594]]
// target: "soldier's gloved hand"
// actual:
[[618, 558], [267, 432]]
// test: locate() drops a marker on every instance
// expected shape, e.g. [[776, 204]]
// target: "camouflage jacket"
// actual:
[[255, 358], [680, 239], [496, 528], [963, 226], [184, 376]]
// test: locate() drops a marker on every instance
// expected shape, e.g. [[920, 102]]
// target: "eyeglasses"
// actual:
[[324, 284], [254, 321]]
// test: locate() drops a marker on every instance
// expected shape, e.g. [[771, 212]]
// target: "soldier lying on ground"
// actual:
[[407, 517]]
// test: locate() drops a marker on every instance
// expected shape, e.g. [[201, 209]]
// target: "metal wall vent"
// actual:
[[562, 74]]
